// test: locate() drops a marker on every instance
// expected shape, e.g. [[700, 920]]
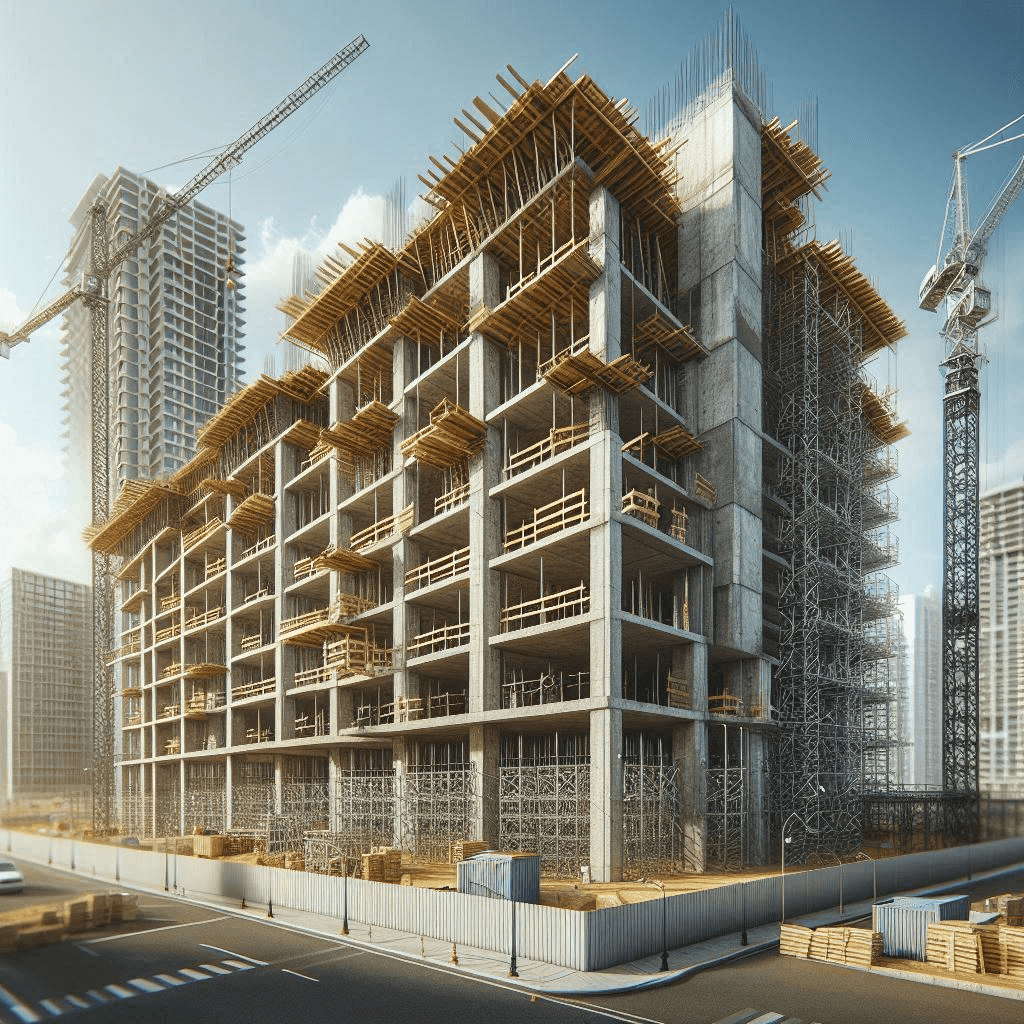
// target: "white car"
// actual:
[[10, 877]]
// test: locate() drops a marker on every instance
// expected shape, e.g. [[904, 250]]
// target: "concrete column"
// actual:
[[484, 522], [605, 459], [284, 657], [606, 835], [279, 784], [404, 491], [690, 752], [720, 273], [229, 788], [400, 753], [484, 752], [334, 767]]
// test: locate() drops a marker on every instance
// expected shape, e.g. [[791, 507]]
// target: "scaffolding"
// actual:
[[651, 807], [205, 795], [544, 799], [439, 795]]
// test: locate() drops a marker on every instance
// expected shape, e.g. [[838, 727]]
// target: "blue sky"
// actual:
[[91, 85]]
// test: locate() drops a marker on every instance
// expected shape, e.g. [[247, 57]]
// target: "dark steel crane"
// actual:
[[92, 290], [956, 281]]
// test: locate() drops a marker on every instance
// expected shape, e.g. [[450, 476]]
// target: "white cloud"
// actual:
[[40, 532], [10, 312]]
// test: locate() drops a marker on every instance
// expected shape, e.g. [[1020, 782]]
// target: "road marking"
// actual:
[[193, 975], [285, 970], [77, 1001], [238, 965], [604, 1011], [51, 1007], [231, 952], [145, 985], [16, 1006], [214, 969], [120, 991], [170, 979], [98, 997], [86, 949], [151, 931]]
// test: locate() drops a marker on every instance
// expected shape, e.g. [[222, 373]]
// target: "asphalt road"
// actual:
[[180, 962]]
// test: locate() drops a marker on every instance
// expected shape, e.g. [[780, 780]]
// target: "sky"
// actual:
[[88, 86]]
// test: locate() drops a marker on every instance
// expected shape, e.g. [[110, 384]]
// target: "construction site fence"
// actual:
[[584, 941]]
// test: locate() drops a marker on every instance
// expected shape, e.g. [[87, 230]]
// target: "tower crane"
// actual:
[[104, 258], [956, 283]]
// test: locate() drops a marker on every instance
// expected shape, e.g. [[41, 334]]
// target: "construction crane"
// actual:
[[92, 290], [956, 282]]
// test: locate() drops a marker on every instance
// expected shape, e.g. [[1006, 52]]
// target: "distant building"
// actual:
[[175, 325], [45, 684], [1001, 697], [921, 699]]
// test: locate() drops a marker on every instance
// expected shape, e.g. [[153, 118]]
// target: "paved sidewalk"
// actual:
[[553, 980]]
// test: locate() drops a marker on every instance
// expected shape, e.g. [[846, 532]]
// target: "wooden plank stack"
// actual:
[[856, 946], [1011, 906], [49, 923], [382, 864], [464, 848], [964, 948]]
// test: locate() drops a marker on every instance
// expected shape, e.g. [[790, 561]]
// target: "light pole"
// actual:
[[513, 971], [785, 839], [874, 875], [664, 922]]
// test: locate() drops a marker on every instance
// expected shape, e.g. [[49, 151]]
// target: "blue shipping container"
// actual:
[[504, 876], [903, 922]]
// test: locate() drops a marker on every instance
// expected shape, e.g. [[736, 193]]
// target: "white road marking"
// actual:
[[98, 997], [150, 931], [285, 970], [120, 991], [238, 965], [170, 979], [86, 949], [51, 1007], [145, 985], [77, 1001], [193, 975], [16, 1006], [231, 952], [214, 969]]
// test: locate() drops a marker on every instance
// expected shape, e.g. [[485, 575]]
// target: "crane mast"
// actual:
[[956, 281], [92, 290]]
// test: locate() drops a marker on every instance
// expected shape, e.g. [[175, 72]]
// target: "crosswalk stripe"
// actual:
[[120, 991], [146, 985], [97, 997], [193, 975], [15, 1005], [77, 1001], [214, 969], [238, 965], [51, 1007], [170, 979]]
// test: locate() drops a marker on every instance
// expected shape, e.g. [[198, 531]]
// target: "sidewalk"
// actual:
[[552, 980]]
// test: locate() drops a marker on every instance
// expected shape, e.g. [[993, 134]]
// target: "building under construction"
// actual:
[[579, 545]]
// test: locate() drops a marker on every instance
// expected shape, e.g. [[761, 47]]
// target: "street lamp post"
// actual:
[[664, 922], [512, 966], [785, 840]]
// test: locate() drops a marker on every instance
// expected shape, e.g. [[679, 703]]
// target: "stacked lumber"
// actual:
[[834, 945], [49, 923], [382, 864], [465, 848], [960, 946], [124, 906], [1011, 906], [210, 847]]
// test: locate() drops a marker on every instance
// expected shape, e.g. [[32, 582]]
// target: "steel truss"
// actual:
[[961, 406]]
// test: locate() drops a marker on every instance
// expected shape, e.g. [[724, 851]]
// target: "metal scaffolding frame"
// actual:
[[544, 799], [831, 690], [651, 807], [205, 795], [438, 799]]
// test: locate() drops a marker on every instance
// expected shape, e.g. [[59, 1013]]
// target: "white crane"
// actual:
[[956, 280], [92, 289]]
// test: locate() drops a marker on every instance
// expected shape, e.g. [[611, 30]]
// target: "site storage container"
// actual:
[[505, 876], [903, 922]]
